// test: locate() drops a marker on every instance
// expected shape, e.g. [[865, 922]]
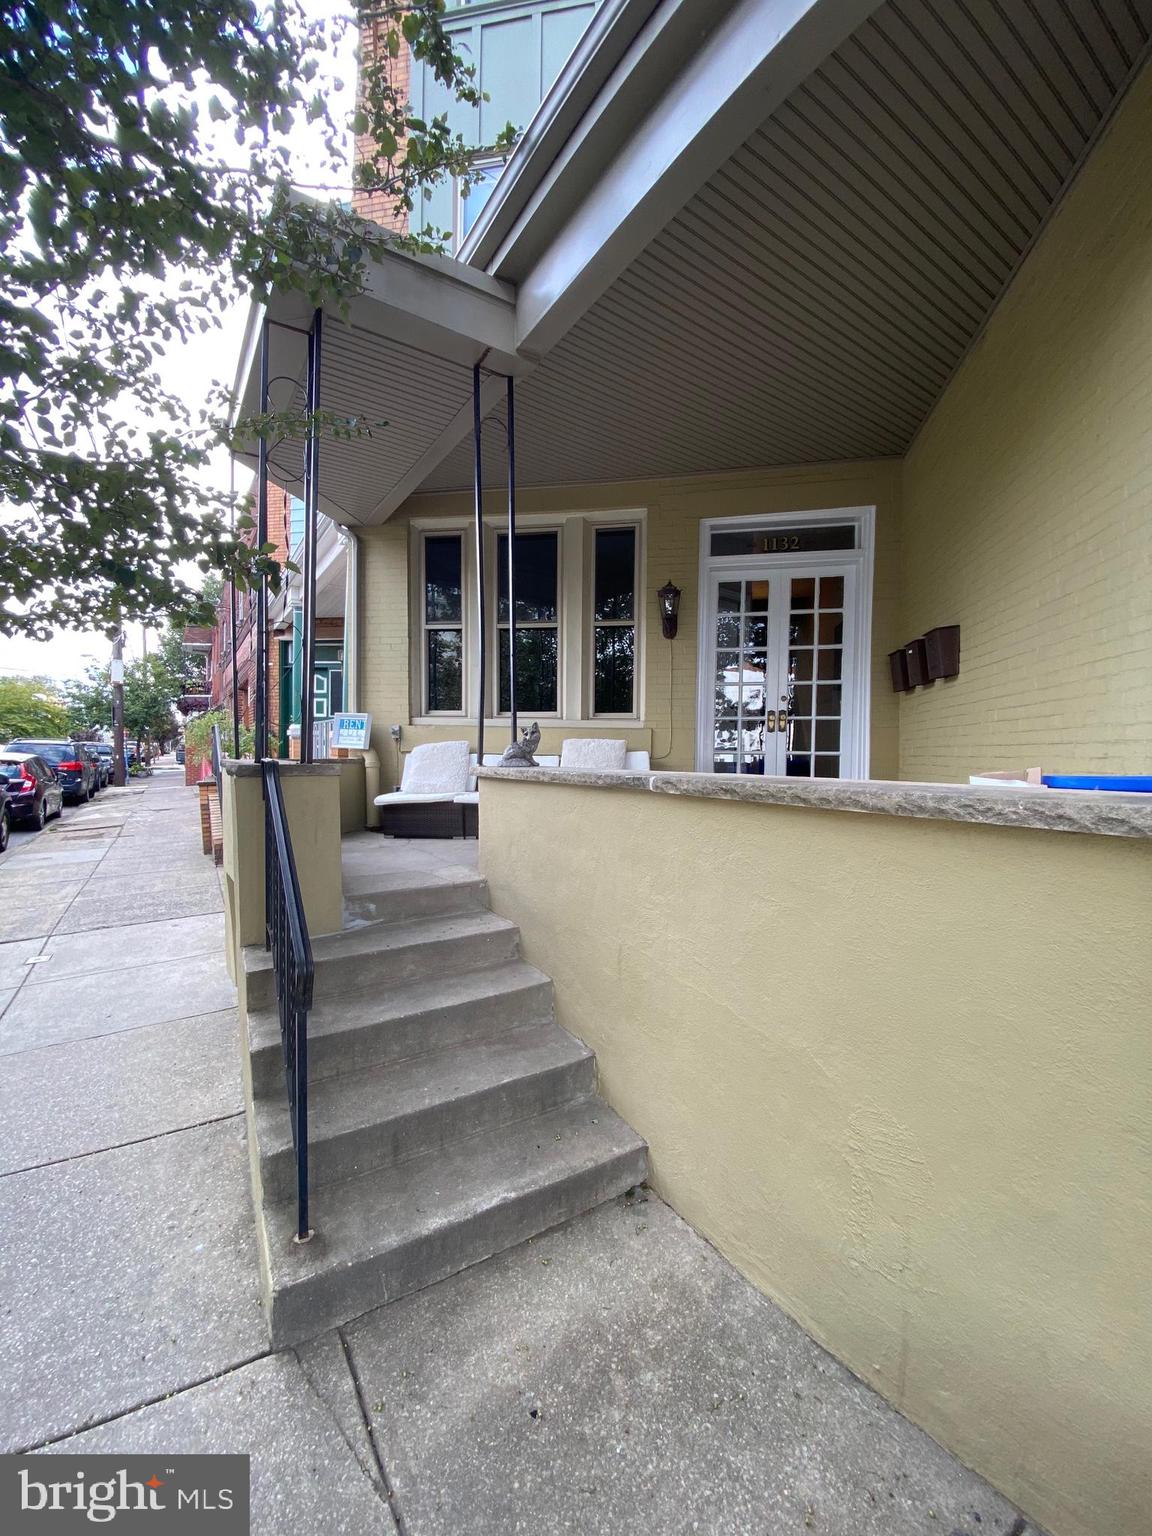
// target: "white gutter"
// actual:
[[351, 619]]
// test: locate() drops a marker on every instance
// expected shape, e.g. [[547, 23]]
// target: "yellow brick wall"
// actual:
[[674, 509], [1028, 499]]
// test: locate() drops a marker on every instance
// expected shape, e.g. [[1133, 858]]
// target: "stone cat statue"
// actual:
[[520, 754]]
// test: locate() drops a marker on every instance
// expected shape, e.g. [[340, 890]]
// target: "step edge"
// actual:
[[573, 1062]]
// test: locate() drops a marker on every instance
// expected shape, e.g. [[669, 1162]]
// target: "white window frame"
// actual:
[[575, 601], [594, 526], [424, 534], [855, 757], [496, 630], [480, 163]]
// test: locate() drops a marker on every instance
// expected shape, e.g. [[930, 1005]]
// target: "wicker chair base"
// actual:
[[471, 820], [442, 820]]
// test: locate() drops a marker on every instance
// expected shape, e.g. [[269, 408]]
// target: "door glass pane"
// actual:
[[615, 578], [756, 596], [535, 577], [445, 655], [728, 600], [442, 585], [536, 652], [817, 632], [615, 647], [756, 633], [728, 630], [827, 735]]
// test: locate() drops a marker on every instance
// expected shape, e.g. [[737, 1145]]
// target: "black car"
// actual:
[[73, 766], [107, 759], [5, 818], [31, 788]]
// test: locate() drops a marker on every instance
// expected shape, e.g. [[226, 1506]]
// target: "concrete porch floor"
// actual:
[[373, 864]]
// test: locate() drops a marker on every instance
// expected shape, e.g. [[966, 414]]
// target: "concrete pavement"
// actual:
[[615, 1375]]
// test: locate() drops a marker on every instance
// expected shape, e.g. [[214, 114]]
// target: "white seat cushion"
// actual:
[[593, 752], [471, 797], [436, 768], [637, 762], [402, 797]]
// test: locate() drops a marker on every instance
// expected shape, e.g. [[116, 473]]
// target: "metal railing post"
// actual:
[[286, 935], [481, 616], [261, 689], [311, 517], [511, 428]]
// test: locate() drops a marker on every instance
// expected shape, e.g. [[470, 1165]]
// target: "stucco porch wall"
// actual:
[[673, 510], [898, 1070], [1028, 498]]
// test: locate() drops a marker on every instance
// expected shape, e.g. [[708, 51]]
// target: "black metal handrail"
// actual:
[[286, 935], [218, 763]]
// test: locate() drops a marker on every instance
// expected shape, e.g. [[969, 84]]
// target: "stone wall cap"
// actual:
[[1100, 812], [245, 768]]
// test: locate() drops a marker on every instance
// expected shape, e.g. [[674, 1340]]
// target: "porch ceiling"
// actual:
[[399, 362], [812, 299]]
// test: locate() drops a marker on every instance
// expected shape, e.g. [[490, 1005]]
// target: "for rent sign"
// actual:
[[352, 731]]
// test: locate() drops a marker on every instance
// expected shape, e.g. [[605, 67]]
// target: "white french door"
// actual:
[[784, 645]]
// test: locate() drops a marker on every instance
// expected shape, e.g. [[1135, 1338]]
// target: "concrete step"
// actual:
[[357, 1030], [382, 954], [397, 898], [390, 1114], [399, 1229]]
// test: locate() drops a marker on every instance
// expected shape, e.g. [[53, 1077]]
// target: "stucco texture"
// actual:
[[1027, 499], [898, 1071]]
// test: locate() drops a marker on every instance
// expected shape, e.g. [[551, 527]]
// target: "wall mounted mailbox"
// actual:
[[943, 651], [917, 655], [922, 661], [898, 661]]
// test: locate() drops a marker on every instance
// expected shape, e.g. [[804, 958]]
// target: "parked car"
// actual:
[[5, 818], [74, 768], [32, 790], [107, 759]]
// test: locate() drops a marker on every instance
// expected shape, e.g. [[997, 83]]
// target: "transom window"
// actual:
[[443, 624]]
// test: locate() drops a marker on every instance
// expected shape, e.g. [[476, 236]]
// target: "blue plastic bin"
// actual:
[[1129, 784]]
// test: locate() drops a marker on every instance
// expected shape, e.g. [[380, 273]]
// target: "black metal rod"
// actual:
[[286, 935], [232, 623], [260, 705], [481, 615], [311, 518], [511, 427]]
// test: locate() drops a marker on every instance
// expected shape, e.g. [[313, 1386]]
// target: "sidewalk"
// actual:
[[613, 1376]]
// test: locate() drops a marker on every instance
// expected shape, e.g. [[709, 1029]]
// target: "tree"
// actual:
[[30, 706], [150, 691], [89, 700], [145, 182]]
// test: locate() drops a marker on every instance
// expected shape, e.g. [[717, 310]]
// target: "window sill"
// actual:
[[547, 722]]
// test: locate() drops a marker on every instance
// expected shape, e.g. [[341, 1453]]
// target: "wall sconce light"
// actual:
[[669, 599]]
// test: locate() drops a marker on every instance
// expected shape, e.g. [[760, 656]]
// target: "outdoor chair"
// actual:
[[601, 752], [425, 805]]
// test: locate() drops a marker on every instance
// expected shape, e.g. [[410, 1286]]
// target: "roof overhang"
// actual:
[[409, 339]]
